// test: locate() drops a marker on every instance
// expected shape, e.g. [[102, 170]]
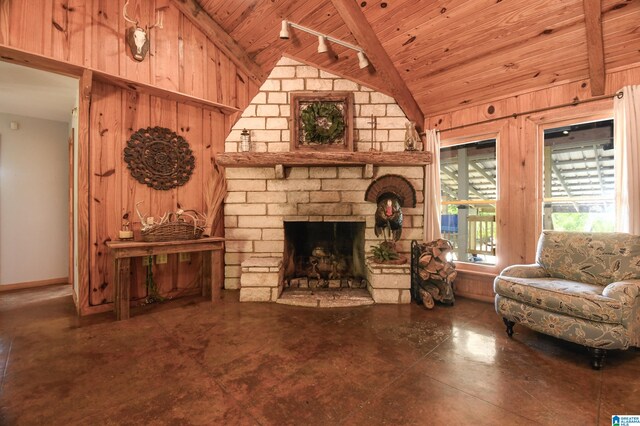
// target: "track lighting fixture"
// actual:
[[363, 62], [284, 32], [322, 44]]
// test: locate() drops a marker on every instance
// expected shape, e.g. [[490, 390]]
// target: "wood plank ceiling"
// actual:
[[450, 53]]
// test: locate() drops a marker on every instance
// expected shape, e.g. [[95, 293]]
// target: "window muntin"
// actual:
[[468, 176], [578, 178]]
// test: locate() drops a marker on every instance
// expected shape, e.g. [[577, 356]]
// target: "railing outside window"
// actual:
[[482, 235], [479, 234]]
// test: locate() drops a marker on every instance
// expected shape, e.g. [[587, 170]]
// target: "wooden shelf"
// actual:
[[34, 60], [161, 93], [44, 63], [270, 159]]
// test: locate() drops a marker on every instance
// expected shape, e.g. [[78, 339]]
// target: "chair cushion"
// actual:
[[594, 258], [562, 296]]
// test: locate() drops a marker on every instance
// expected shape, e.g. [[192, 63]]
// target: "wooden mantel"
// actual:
[[270, 159]]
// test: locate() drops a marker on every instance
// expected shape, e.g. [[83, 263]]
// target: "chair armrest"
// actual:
[[623, 291], [524, 271]]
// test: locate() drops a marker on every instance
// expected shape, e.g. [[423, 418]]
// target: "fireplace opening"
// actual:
[[324, 255]]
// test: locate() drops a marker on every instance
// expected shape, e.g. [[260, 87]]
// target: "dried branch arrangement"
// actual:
[[215, 192]]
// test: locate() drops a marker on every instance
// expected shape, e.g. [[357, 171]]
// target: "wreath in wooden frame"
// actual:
[[159, 158], [322, 122]]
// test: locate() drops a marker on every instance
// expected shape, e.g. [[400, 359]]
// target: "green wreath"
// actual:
[[322, 122]]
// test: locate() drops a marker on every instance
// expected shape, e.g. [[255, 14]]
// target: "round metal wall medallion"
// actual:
[[159, 158]]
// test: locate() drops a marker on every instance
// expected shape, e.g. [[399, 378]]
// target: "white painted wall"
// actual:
[[34, 199], [73, 126]]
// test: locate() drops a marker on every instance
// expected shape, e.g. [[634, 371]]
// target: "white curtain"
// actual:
[[626, 116], [432, 188]]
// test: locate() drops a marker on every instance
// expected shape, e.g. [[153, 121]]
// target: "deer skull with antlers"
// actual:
[[137, 37]]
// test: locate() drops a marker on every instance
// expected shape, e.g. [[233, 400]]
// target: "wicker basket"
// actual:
[[174, 230]]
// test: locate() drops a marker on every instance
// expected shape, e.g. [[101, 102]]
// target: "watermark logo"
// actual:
[[625, 420]]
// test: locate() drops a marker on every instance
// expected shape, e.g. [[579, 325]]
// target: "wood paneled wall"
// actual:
[[519, 210], [115, 114], [90, 34]]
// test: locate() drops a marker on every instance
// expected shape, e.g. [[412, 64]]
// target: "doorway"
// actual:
[[37, 123]]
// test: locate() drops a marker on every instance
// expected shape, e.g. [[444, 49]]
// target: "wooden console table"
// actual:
[[123, 251]]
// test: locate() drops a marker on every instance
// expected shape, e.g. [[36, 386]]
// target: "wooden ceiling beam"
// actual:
[[366, 37], [196, 14], [595, 45]]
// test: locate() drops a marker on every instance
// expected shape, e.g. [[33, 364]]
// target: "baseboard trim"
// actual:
[[90, 310], [479, 297], [33, 284]]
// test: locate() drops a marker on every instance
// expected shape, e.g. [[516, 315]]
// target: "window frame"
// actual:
[[462, 138], [542, 124]]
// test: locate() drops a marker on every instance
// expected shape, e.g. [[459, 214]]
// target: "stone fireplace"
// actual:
[[263, 202], [261, 211]]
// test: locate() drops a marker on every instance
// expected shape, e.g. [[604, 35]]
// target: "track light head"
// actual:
[[322, 44], [284, 31], [362, 60]]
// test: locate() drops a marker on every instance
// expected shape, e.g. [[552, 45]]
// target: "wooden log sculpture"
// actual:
[[436, 273]]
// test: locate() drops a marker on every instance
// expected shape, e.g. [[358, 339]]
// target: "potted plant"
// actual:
[[386, 253]]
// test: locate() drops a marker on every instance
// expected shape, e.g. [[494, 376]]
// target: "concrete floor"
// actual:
[[188, 362]]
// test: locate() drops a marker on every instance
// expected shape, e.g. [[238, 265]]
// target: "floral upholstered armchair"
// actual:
[[584, 288]]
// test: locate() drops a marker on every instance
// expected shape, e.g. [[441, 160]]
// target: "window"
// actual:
[[578, 181], [468, 190]]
